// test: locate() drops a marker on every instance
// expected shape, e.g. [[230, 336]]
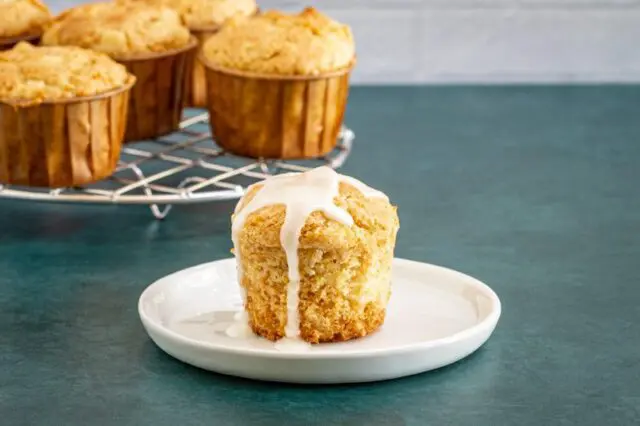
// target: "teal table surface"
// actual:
[[534, 190]]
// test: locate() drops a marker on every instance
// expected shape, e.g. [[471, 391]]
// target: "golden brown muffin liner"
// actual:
[[157, 99], [197, 90], [62, 143], [271, 116], [7, 43]]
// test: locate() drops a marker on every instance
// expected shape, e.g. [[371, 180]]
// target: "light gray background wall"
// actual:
[[444, 41]]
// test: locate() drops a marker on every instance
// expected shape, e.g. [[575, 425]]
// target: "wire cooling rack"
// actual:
[[182, 168]]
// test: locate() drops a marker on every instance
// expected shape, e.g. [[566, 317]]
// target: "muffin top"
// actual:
[[198, 14], [22, 17], [374, 218], [307, 43], [119, 29], [31, 75]]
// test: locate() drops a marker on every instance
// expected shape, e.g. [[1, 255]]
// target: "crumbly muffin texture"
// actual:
[[22, 17], [201, 14], [307, 43], [345, 271], [119, 29], [31, 74]]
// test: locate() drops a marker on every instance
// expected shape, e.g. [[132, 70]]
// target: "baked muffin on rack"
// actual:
[[151, 42], [62, 115], [292, 71], [208, 14], [21, 20], [314, 254], [204, 18]]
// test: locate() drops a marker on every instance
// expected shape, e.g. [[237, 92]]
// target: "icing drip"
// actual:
[[240, 326], [301, 194]]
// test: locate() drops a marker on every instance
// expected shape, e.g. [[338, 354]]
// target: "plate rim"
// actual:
[[488, 323]]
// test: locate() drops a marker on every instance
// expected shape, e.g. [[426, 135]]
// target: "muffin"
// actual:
[[204, 18], [21, 20], [278, 83], [154, 46], [314, 253], [62, 115], [208, 14]]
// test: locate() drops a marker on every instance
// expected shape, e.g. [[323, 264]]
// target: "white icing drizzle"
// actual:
[[301, 194], [367, 191]]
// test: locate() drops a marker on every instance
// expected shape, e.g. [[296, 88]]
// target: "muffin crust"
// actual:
[[199, 14], [22, 17], [307, 43], [32, 75], [119, 29]]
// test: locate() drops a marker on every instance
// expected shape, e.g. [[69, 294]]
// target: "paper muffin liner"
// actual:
[[268, 116], [197, 89], [63, 143], [7, 43], [157, 99]]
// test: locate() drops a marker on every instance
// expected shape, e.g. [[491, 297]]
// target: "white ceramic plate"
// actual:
[[435, 317]]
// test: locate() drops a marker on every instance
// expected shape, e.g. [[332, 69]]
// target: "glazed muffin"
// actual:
[[278, 83], [151, 42], [204, 18], [339, 233], [21, 20], [62, 115]]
